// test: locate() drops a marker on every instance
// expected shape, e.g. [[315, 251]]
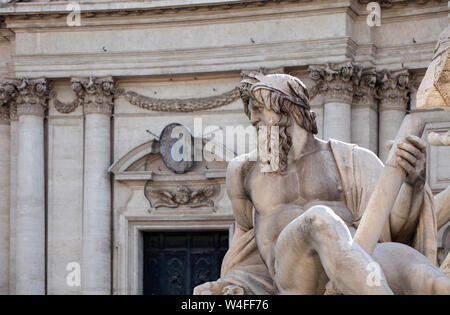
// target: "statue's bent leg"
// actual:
[[318, 244], [409, 272]]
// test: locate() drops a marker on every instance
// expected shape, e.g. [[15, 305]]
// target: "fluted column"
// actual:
[[393, 93], [4, 197], [365, 111], [30, 218], [335, 83], [97, 97]]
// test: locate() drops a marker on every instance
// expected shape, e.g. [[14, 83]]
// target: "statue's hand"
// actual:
[[218, 288], [412, 158]]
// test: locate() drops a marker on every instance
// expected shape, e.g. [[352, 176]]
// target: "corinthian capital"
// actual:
[[29, 96], [335, 82], [8, 92], [393, 89], [96, 95], [4, 114], [366, 89]]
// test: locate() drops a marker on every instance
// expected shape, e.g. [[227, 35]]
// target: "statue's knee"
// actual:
[[319, 218]]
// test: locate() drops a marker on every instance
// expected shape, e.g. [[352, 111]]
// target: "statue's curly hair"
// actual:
[[281, 103], [288, 97]]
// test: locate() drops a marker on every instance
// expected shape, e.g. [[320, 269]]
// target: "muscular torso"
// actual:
[[312, 180]]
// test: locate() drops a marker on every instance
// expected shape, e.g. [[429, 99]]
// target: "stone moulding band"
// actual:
[[58, 9], [399, 3], [182, 105], [133, 7]]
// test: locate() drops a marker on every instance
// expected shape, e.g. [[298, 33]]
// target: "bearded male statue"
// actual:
[[295, 225]]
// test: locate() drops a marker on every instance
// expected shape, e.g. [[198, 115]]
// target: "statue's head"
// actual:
[[278, 100], [280, 97]]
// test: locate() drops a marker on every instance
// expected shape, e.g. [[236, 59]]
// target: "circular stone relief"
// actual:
[[177, 148]]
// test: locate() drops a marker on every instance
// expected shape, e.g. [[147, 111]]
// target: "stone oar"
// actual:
[[389, 183]]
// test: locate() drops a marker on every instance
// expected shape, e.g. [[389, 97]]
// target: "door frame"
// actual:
[[129, 254]]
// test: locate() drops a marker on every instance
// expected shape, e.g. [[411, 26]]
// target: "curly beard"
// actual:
[[274, 144]]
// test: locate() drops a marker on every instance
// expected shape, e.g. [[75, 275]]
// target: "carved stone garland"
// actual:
[[182, 105], [191, 104], [95, 94]]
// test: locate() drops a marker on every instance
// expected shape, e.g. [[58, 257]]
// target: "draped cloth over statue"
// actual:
[[359, 170]]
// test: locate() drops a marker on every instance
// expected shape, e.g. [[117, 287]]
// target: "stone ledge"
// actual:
[[385, 4], [29, 8]]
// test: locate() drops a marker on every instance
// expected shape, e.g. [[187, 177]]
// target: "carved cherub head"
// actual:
[[182, 195]]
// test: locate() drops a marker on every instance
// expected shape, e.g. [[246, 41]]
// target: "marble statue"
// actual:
[[296, 225], [433, 92]]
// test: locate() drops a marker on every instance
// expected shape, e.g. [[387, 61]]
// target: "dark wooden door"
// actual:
[[176, 262]]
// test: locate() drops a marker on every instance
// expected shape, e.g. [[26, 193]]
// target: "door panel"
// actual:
[[176, 262]]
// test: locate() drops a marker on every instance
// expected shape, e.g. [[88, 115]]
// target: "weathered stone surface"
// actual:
[[31, 100], [30, 216], [180, 61], [65, 202], [434, 89], [326, 198], [96, 256]]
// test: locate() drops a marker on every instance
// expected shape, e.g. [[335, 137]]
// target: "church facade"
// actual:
[[91, 201]]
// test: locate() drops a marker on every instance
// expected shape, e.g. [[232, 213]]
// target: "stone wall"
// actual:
[[168, 50]]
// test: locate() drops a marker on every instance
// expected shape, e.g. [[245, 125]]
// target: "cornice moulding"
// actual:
[[203, 15], [386, 4], [92, 7]]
